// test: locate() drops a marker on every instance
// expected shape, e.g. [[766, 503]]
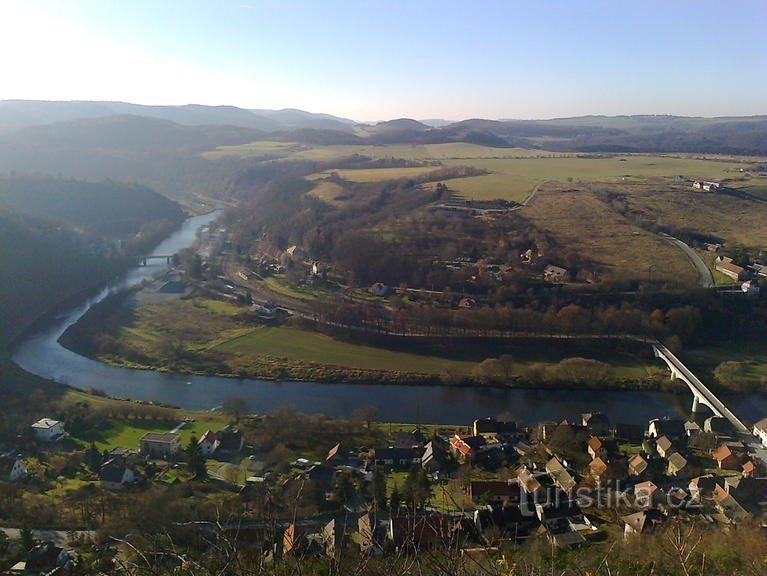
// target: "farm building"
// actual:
[[726, 266]]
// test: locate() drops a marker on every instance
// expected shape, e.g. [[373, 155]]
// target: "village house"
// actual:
[[728, 505], [465, 448], [594, 447], [706, 185], [563, 522], [727, 456], [678, 466], [115, 474], [760, 431], [750, 287], [48, 430], [393, 457], [597, 423], [703, 486], [665, 447], [658, 427], [691, 429], [560, 476], [749, 469], [160, 445], [230, 440], [494, 491], [555, 274], [645, 493], [494, 428], [637, 465], [208, 443], [380, 289], [12, 468], [527, 481], [641, 522], [726, 266]]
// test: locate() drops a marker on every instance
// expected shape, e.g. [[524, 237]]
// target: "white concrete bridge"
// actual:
[[700, 392]]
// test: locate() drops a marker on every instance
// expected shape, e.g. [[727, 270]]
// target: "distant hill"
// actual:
[[400, 125], [104, 208], [157, 153], [19, 113]]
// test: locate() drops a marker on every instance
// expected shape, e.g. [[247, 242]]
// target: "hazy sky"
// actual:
[[384, 59]]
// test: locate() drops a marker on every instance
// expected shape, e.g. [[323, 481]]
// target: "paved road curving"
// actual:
[[706, 278]]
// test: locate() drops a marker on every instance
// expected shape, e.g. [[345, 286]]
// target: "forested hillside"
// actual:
[[108, 208], [59, 237]]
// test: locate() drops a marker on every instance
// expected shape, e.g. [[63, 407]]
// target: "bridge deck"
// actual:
[[709, 397]]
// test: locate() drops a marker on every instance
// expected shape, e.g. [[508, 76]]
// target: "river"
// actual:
[[40, 353]]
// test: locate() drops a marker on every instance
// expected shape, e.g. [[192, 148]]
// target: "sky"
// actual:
[[375, 60]]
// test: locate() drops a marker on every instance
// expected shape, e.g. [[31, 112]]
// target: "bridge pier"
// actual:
[[695, 404]]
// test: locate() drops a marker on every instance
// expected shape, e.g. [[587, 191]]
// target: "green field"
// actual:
[[126, 433], [752, 354], [314, 347]]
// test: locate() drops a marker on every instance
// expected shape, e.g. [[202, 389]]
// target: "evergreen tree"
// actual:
[[93, 458], [196, 461], [394, 500], [379, 489]]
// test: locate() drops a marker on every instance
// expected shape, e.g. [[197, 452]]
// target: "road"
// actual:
[[706, 278]]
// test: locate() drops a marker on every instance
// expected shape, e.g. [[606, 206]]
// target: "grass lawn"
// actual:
[[279, 287], [127, 433], [315, 347]]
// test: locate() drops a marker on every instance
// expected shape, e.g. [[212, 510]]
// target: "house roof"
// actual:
[[647, 487], [721, 452], [598, 466], [527, 480], [209, 437], [394, 453], [112, 471], [166, 437], [638, 464], [677, 461], [333, 452], [595, 444], [664, 443], [6, 465], [45, 423], [639, 520], [761, 424], [749, 467], [559, 475]]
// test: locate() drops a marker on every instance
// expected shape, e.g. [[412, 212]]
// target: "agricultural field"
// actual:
[[752, 356], [579, 220]]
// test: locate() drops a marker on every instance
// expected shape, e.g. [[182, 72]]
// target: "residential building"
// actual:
[[641, 522], [115, 474], [208, 443], [527, 481], [160, 445], [560, 476], [665, 447], [555, 274], [678, 466], [727, 456], [12, 468], [392, 457], [645, 493], [597, 423], [637, 465], [760, 431], [48, 430], [726, 266], [666, 427]]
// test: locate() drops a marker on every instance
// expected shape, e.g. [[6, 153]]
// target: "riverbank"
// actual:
[[211, 337]]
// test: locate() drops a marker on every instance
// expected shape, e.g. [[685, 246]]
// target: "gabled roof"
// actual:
[[527, 480], [664, 443], [595, 443], [167, 437], [721, 452], [209, 437], [677, 461], [45, 423], [598, 466], [639, 520], [113, 471], [647, 487], [638, 464], [333, 452], [559, 475], [761, 424]]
